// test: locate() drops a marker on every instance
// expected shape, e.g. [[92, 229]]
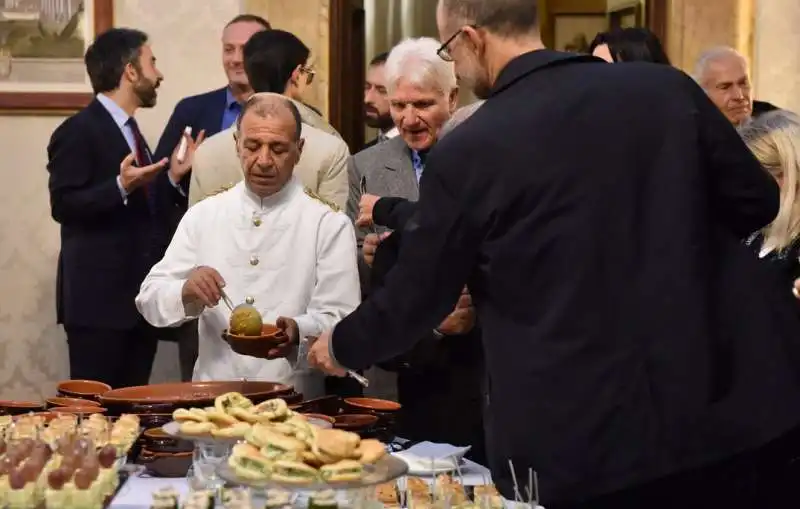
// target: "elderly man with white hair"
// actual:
[[443, 375], [724, 74]]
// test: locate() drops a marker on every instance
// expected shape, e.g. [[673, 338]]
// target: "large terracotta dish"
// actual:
[[193, 393]]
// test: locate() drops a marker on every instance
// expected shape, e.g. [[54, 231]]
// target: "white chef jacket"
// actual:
[[289, 254]]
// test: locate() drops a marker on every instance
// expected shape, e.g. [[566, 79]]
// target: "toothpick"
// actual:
[[536, 488], [517, 495], [458, 470], [530, 486]]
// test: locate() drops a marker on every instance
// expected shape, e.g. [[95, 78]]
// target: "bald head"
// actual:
[[266, 104], [268, 142], [724, 75], [502, 17]]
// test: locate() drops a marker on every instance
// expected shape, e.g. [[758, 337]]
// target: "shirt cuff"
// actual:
[[176, 185], [122, 190], [307, 327], [186, 311]]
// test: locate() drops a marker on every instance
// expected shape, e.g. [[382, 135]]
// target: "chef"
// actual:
[[268, 242]]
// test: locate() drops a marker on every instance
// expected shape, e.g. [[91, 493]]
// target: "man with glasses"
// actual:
[[637, 356], [277, 62]]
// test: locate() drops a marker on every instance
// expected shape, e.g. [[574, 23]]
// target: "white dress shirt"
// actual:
[[290, 254]]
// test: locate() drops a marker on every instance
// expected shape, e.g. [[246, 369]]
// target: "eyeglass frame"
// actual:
[[444, 51]]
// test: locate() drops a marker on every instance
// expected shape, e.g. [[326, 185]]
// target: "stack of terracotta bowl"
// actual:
[[80, 397], [369, 417]]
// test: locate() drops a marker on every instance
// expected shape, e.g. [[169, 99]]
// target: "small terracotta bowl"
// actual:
[[320, 417], [256, 346], [355, 422], [373, 405], [20, 407], [83, 411], [158, 441], [60, 401], [82, 389]]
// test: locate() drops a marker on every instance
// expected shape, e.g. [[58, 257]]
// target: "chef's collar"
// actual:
[[282, 196]]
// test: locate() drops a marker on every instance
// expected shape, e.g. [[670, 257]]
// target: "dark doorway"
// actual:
[[347, 54]]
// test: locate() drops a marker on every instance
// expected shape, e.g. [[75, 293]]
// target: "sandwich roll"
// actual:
[[342, 471], [221, 419], [245, 414], [182, 415], [371, 451], [196, 428], [231, 400], [237, 430], [273, 409], [293, 472], [335, 444]]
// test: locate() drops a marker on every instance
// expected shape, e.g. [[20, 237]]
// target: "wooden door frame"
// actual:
[[657, 19], [347, 118]]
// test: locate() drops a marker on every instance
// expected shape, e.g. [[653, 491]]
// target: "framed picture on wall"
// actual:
[[574, 32], [42, 43], [626, 16]]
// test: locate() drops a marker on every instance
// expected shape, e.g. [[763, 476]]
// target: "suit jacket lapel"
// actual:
[[400, 177], [115, 137]]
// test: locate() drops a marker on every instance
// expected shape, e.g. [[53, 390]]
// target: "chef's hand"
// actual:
[[290, 336], [462, 319], [371, 242], [204, 284], [178, 169], [319, 356], [365, 207], [796, 288]]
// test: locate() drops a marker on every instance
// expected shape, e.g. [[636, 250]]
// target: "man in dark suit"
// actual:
[[376, 101], [101, 180], [636, 351], [210, 112]]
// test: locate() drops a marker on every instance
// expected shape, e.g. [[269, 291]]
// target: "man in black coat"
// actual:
[[102, 184], [595, 212]]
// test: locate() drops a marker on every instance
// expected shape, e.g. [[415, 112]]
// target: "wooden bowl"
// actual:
[[20, 407], [82, 389], [166, 398], [356, 423], [59, 401], [256, 346], [78, 410]]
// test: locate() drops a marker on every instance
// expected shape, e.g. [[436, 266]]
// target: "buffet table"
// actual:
[[137, 493]]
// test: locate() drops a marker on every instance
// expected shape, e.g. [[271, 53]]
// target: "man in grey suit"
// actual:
[[420, 103]]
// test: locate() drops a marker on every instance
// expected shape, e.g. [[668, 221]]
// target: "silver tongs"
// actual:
[[302, 363]]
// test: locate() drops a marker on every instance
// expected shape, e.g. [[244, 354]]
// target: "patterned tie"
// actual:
[[142, 154]]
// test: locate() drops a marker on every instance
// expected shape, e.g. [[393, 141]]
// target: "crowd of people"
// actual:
[[589, 271]]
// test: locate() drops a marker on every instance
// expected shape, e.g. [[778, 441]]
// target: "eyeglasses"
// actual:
[[309, 72], [444, 49]]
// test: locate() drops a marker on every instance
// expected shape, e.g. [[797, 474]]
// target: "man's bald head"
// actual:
[[266, 104], [268, 142], [724, 75]]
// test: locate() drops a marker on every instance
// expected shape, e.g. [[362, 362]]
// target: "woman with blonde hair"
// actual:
[[774, 138]]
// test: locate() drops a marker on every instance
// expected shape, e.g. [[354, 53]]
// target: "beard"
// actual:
[[375, 120], [475, 78], [146, 92]]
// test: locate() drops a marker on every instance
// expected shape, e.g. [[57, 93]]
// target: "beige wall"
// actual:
[[696, 25], [308, 20], [776, 60], [32, 348]]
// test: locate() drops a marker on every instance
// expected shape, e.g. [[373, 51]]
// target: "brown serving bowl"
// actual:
[[20, 407], [60, 401], [357, 423], [156, 440], [166, 398], [326, 405], [166, 464], [256, 346], [320, 417], [82, 389], [83, 411]]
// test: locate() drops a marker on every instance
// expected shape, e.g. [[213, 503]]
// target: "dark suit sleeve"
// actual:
[[744, 196], [393, 212], [73, 196], [439, 248]]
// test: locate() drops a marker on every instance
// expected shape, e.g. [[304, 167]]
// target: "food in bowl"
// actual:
[[246, 321]]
